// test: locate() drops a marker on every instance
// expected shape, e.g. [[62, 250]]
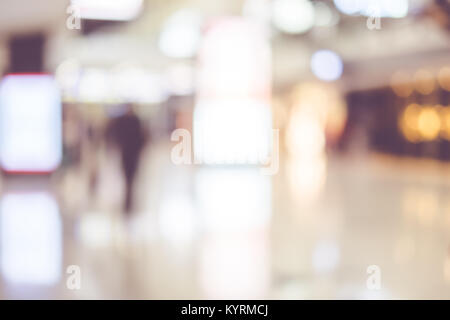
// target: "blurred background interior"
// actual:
[[92, 92]]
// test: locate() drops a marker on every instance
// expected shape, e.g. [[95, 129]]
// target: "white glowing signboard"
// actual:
[[30, 123]]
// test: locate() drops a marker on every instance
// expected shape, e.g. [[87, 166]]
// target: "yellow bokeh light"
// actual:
[[306, 177], [409, 123], [319, 109], [424, 81], [305, 134], [445, 123], [429, 123], [401, 84], [444, 78]]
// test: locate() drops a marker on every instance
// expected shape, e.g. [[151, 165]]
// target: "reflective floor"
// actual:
[[309, 232]]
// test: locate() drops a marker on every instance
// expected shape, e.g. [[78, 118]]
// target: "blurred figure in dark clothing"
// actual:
[[127, 134]]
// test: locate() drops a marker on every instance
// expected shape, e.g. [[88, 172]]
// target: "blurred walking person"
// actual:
[[127, 134]]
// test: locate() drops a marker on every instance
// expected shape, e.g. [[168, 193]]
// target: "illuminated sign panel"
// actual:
[[30, 123]]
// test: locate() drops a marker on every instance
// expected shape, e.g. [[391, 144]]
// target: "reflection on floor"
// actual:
[[311, 231]]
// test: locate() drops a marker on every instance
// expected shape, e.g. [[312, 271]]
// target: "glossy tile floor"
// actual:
[[309, 232]]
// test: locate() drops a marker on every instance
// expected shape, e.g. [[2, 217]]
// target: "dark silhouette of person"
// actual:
[[127, 133]]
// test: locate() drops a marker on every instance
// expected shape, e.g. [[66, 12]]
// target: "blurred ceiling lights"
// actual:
[[293, 16], [325, 16], [124, 82], [379, 8], [181, 34], [347, 6], [117, 10], [93, 86], [326, 65], [134, 83]]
